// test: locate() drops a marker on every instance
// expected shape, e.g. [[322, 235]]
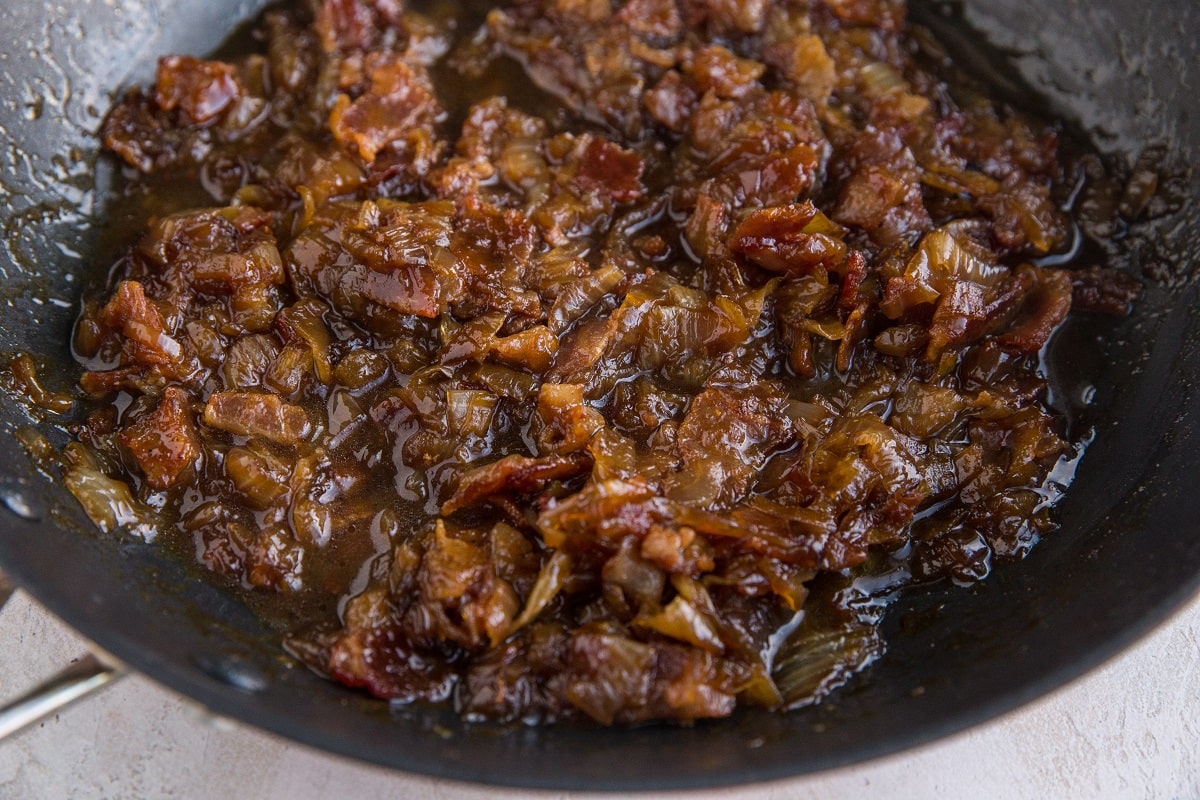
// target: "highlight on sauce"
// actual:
[[586, 358]]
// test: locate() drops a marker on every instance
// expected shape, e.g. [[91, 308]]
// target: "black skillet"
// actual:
[[1128, 553]]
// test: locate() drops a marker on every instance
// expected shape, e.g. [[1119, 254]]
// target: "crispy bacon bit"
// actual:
[[458, 578], [876, 200], [386, 665], [677, 550]]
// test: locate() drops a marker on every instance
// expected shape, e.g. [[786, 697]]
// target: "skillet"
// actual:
[[1127, 555]]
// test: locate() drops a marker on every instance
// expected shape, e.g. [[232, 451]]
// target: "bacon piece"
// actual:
[[200, 89], [775, 239], [257, 414], [408, 288], [1045, 308], [399, 99], [383, 661], [348, 25], [806, 64], [724, 440], [671, 102], [515, 474], [715, 69], [164, 442], [605, 167], [462, 599], [959, 317], [140, 321], [652, 18], [726, 17]]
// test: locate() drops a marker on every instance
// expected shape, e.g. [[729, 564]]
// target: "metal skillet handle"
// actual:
[[81, 678]]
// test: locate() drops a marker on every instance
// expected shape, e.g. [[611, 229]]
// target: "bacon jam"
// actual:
[[579, 357]]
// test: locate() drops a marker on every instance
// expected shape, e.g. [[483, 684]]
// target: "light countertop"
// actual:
[[1129, 729]]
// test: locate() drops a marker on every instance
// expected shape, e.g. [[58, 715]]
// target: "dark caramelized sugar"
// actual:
[[607, 358]]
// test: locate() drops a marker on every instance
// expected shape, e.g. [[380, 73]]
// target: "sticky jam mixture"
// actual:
[[576, 357]]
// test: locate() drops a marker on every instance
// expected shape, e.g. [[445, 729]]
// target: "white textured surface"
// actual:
[[1128, 730]]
